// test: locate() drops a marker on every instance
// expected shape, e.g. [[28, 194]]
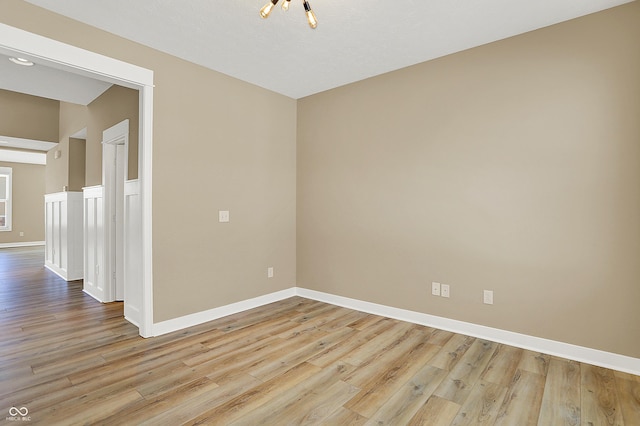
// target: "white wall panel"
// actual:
[[63, 234], [132, 253], [94, 243]]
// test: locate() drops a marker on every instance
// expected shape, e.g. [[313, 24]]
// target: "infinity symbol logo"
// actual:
[[22, 411]]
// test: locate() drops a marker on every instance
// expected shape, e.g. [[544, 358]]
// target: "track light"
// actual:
[[311, 17]]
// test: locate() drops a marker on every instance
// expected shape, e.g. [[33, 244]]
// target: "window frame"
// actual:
[[8, 173]]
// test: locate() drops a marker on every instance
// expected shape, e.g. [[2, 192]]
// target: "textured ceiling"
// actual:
[[355, 39], [49, 83]]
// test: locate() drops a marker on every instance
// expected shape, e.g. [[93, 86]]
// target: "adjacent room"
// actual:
[[419, 213]]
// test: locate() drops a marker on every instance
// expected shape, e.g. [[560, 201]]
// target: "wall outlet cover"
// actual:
[[444, 290]]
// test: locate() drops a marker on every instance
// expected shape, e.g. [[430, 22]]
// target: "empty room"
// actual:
[[320, 212]]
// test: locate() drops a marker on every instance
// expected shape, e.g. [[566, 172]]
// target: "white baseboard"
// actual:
[[63, 273], [551, 347], [91, 295], [537, 344], [23, 244], [190, 320], [131, 321]]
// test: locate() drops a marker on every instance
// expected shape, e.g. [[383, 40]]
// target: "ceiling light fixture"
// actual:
[[21, 61], [311, 17]]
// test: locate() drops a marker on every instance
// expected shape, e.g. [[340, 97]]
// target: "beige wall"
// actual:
[[77, 166], [110, 108], [513, 167], [219, 144], [28, 117], [80, 161], [69, 166], [28, 203]]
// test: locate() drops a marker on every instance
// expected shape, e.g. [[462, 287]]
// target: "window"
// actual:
[[5, 198]]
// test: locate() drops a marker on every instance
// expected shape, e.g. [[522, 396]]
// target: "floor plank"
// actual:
[[629, 394], [71, 360], [458, 384], [599, 397], [482, 405], [436, 411], [561, 401], [521, 404]]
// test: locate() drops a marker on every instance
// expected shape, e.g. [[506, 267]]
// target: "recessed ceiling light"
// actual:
[[22, 61]]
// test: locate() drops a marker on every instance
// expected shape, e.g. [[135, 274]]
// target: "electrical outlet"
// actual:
[[223, 216], [21, 234], [270, 272], [488, 297], [444, 290], [435, 289]]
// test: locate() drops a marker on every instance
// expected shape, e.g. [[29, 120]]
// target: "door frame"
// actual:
[[72, 59], [115, 148]]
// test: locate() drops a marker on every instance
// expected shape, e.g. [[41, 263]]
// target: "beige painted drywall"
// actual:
[[219, 144], [68, 169], [114, 105], [77, 163], [485, 169], [28, 117], [80, 161], [513, 167], [28, 203]]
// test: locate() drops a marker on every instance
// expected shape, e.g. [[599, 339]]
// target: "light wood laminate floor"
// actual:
[[70, 360]]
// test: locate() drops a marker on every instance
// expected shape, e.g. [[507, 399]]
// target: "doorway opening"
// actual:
[[71, 59]]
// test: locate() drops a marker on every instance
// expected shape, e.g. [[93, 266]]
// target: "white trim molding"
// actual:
[[22, 143], [190, 320], [21, 244], [537, 344], [25, 157], [70, 58], [551, 347], [62, 56]]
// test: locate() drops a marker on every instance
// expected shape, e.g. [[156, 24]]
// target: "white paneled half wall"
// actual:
[[132, 253], [94, 236], [63, 234]]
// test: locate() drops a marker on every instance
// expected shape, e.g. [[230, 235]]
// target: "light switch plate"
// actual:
[[223, 216], [435, 289]]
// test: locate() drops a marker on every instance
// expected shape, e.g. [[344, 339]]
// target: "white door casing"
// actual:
[[48, 52], [115, 145]]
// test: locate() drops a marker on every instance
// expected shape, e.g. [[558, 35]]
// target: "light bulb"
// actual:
[[266, 10], [285, 5], [311, 17]]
